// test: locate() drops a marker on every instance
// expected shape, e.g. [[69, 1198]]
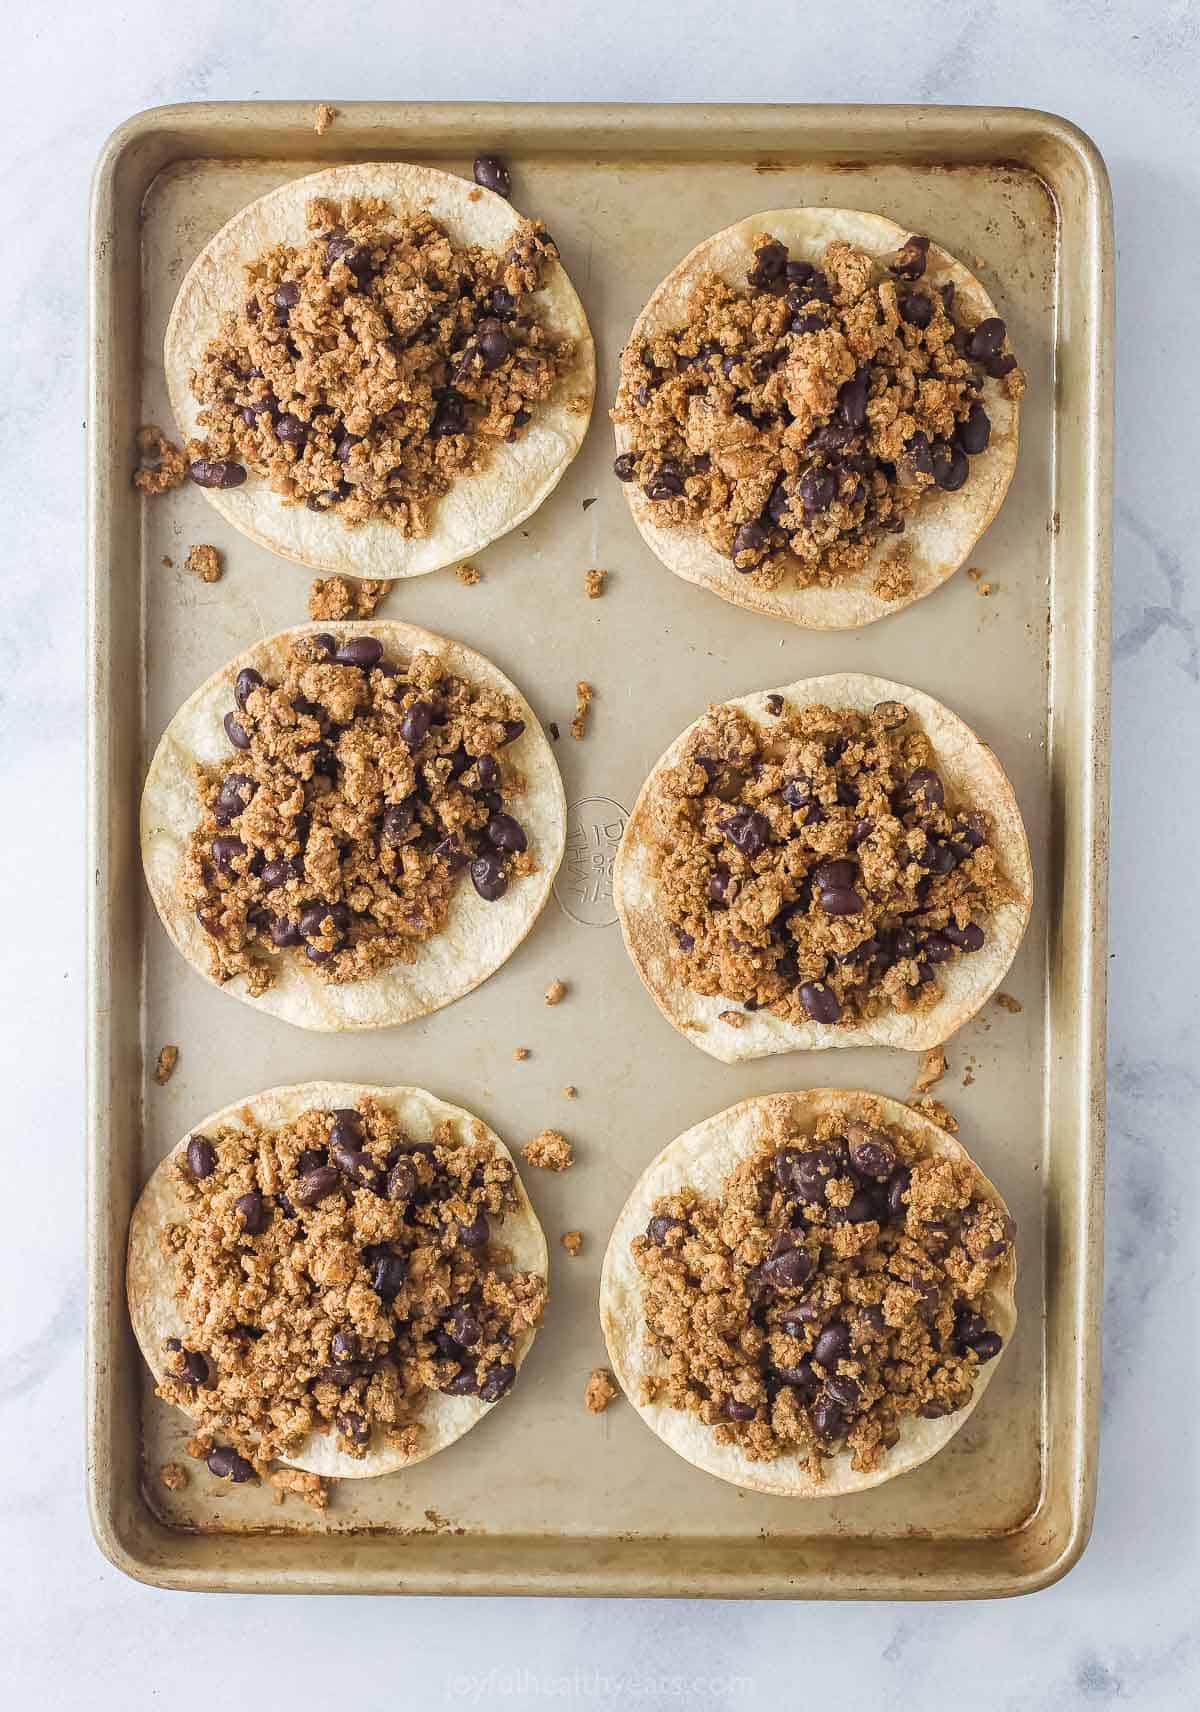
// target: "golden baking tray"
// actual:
[[544, 1497]]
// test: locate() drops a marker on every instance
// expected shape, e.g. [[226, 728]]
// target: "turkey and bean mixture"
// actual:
[[836, 1287], [358, 794], [797, 420], [367, 370], [816, 865], [330, 1274]]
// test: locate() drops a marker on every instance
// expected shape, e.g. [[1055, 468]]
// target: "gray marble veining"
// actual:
[[1123, 1627]]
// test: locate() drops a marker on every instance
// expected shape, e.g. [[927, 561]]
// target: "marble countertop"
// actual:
[[1123, 1626]]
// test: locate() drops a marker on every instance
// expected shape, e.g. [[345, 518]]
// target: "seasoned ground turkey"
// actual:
[[330, 1275], [358, 793], [835, 1288], [367, 370], [816, 866], [799, 418]]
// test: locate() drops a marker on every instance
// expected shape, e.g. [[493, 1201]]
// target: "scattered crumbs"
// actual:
[[521, 1053], [168, 564], [555, 733], [298, 1483], [556, 992], [986, 588], [974, 573], [936, 1112], [593, 582], [583, 696], [735, 1019], [168, 1058], [591, 501], [648, 1389], [323, 118], [549, 1151], [571, 1091], [969, 1073], [599, 1391], [572, 1241], [161, 463], [931, 1069], [204, 562], [1008, 1003], [474, 195], [332, 600], [467, 575], [174, 1476]]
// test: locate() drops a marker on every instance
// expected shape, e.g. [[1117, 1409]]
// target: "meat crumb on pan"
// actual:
[[323, 118], [168, 1058], [583, 699], [556, 992], [204, 561], [332, 600], [593, 583], [549, 1151], [468, 576], [572, 1241], [599, 1391]]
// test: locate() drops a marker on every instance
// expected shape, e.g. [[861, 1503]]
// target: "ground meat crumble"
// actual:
[[599, 1391], [816, 867], [369, 369], [334, 599], [549, 1151], [331, 1274], [798, 419], [204, 561], [833, 1290], [358, 792]]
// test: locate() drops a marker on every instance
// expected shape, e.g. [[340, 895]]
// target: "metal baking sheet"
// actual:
[[544, 1497]]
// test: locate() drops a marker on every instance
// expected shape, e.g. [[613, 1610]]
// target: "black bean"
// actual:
[[359, 651], [661, 1226], [344, 1345], [839, 901], [938, 858], [388, 1272], [852, 399], [836, 875], [494, 345], [278, 872], [248, 680], [513, 729], [345, 444], [665, 484], [449, 417], [910, 258], [226, 1464], [750, 540], [310, 1159], [926, 785], [987, 1346], [477, 1234], [201, 1157], [354, 1163], [789, 1270], [973, 434], [488, 877], [748, 831], [986, 339], [897, 1189], [195, 1369], [506, 833], [828, 1420], [213, 472], [487, 772], [314, 1185], [740, 1411], [225, 850], [769, 265], [354, 1428], [464, 1327], [491, 172], [818, 489], [999, 366], [775, 705], [801, 1376], [916, 309], [287, 295], [285, 932], [292, 430], [819, 1001], [236, 732], [845, 1391], [253, 1211], [937, 948], [950, 466], [833, 1343], [969, 938], [625, 467], [871, 1152], [415, 726], [312, 918], [498, 1379]]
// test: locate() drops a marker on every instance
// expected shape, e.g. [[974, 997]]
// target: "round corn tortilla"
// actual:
[[150, 1276], [518, 477], [970, 771], [939, 533], [478, 936], [703, 1157]]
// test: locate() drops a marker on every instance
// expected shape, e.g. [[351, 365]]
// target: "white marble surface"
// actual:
[[1122, 1627]]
